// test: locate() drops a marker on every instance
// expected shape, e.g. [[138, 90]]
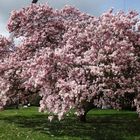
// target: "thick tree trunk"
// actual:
[[87, 107], [82, 118]]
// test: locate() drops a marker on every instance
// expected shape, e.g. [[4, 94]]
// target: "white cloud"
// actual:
[[3, 30]]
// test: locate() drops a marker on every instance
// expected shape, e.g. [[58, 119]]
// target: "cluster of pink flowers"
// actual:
[[4, 53], [71, 59]]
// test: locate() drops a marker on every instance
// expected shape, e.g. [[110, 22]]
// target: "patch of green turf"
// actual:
[[29, 124]]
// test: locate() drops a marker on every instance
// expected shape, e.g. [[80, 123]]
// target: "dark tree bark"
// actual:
[[17, 103], [34, 1], [87, 107], [82, 118]]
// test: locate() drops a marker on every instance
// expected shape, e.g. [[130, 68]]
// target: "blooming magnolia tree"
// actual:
[[4, 53], [72, 60]]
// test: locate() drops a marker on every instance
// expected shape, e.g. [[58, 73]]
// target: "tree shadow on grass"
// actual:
[[99, 126]]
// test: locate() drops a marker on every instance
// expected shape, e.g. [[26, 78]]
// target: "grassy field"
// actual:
[[28, 124]]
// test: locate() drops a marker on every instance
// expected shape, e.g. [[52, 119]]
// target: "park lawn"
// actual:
[[29, 124]]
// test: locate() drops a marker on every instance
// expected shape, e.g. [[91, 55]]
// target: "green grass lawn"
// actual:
[[28, 124]]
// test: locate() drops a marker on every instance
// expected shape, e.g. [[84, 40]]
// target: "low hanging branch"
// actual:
[[34, 1]]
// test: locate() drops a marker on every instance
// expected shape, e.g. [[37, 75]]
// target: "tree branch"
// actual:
[[34, 1]]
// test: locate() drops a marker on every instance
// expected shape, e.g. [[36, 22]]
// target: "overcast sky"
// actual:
[[94, 7]]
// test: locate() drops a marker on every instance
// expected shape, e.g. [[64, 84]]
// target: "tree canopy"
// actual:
[[73, 60]]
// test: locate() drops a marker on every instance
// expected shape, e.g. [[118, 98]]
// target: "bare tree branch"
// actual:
[[34, 1]]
